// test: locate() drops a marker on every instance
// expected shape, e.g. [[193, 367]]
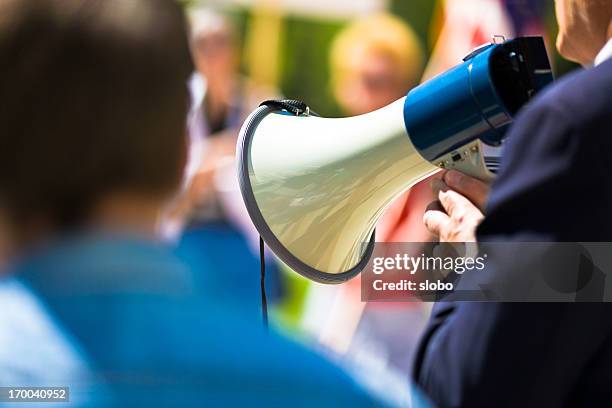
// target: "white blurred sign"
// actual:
[[313, 8]]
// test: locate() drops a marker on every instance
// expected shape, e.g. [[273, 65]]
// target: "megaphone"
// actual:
[[315, 187]]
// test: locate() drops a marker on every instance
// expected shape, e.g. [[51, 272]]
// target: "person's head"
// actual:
[[584, 28], [93, 100], [214, 44], [374, 61], [4, 241]]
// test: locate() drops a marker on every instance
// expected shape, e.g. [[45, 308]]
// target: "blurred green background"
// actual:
[[303, 71]]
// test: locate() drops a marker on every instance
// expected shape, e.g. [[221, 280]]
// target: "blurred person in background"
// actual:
[[92, 149], [548, 190], [375, 61], [211, 213]]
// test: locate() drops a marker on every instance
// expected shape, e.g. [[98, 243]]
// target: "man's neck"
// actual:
[[132, 214]]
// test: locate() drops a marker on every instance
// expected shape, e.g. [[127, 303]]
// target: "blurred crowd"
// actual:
[[130, 266]]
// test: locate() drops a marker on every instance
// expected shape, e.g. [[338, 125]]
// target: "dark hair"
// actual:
[[93, 99]]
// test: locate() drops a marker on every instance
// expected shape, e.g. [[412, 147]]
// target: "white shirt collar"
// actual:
[[605, 53]]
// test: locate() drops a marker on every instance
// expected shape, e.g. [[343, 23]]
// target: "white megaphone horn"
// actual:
[[315, 187]]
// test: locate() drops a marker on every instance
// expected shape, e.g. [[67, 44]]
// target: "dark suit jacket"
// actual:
[[555, 184]]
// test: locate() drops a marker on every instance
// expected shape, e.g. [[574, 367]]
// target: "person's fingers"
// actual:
[[455, 204], [438, 185], [434, 206], [436, 221], [475, 190], [454, 217]]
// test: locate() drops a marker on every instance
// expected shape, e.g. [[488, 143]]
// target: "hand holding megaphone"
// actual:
[[459, 207], [315, 187]]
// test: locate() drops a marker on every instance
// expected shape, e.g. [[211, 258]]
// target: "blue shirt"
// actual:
[[35, 350], [158, 342]]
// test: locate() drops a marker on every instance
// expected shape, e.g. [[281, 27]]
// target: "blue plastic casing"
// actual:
[[476, 99]]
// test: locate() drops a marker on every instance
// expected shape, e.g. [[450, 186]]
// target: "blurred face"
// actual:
[[216, 56], [374, 82], [584, 28]]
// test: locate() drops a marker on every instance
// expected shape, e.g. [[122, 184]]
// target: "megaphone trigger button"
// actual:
[[498, 39]]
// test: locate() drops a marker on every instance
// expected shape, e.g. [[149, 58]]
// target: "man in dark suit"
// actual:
[[553, 187]]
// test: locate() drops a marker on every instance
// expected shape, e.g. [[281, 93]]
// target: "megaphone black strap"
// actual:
[[290, 105], [262, 282], [297, 108]]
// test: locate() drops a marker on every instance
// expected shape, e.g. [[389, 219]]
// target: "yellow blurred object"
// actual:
[[437, 24], [263, 42]]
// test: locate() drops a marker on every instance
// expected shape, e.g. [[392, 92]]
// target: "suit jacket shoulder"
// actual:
[[585, 94], [556, 159]]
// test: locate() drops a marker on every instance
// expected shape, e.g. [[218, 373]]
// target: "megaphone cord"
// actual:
[[297, 108], [264, 300]]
